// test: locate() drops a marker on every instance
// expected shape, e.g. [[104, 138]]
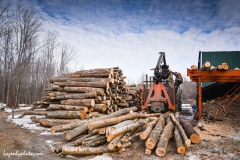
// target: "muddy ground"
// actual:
[[219, 140]]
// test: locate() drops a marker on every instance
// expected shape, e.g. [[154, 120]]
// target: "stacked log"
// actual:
[[207, 66], [101, 90]]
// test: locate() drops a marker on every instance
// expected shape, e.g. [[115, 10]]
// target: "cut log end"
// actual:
[[149, 145], [160, 152], [195, 138], [148, 151], [111, 146], [181, 149], [68, 136]]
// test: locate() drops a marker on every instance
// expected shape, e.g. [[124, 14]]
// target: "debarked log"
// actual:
[[75, 96], [65, 127], [56, 122], [66, 114], [79, 102]]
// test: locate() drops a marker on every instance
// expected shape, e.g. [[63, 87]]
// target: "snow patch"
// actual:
[[101, 157], [50, 144]]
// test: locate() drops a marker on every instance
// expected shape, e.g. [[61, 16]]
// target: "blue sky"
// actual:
[[130, 33]]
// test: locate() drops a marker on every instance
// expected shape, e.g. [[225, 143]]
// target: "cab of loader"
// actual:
[[160, 93]]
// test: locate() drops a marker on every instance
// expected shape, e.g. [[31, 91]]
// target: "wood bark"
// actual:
[[88, 150], [79, 102], [66, 114], [148, 130], [96, 141], [119, 125], [124, 138], [98, 84], [80, 140], [206, 65], [66, 107], [75, 96], [86, 79], [181, 149], [56, 122], [77, 89], [65, 127], [115, 120], [191, 133], [77, 131], [100, 107], [113, 143], [161, 149], [181, 130], [35, 113], [155, 134], [124, 129]]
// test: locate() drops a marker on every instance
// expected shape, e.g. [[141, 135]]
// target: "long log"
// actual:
[[35, 113], [66, 107], [66, 127], [85, 79], [124, 129], [56, 122], [154, 136], [77, 89], [115, 120], [98, 84], [88, 150], [96, 141], [119, 125], [181, 149], [79, 102], [148, 130], [65, 114], [191, 133], [161, 149], [181, 130], [31, 109], [79, 130], [75, 96]]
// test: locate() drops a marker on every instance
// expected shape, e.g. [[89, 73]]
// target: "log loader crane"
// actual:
[[164, 94]]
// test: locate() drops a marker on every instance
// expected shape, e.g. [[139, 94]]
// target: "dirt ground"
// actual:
[[219, 140]]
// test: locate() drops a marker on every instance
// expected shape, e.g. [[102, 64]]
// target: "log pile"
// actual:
[[87, 93], [207, 66]]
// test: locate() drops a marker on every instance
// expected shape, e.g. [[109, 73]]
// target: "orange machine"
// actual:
[[163, 94]]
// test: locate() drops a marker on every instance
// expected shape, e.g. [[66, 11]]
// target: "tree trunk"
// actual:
[[191, 133], [124, 129], [86, 79], [148, 130], [102, 131], [119, 125], [206, 65], [115, 120], [77, 131], [124, 138], [181, 149], [31, 109], [161, 149], [96, 141], [77, 89], [80, 102], [88, 150], [75, 96], [99, 84], [35, 113], [65, 127], [80, 140], [113, 144], [100, 107], [66, 107], [181, 130], [67, 114], [56, 122], [155, 134]]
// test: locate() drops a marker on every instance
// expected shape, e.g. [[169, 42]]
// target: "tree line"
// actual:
[[28, 55]]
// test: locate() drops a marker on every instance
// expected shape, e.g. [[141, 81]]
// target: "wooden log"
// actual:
[[110, 129], [219, 67], [191, 133], [124, 138], [124, 129], [236, 68], [148, 130], [35, 113], [66, 107], [100, 107], [225, 66], [157, 130], [91, 138], [206, 65], [193, 67], [35, 119], [98, 84], [113, 144], [181, 149], [88, 150], [77, 89], [56, 122], [75, 96], [65, 127], [80, 140], [181, 130], [77, 131], [79, 102], [161, 149], [123, 105], [115, 120], [96, 141], [65, 114], [31, 109], [102, 131], [85, 79], [148, 151], [212, 68]]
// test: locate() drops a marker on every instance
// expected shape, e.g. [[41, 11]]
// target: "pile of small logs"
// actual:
[[207, 66], [86, 94]]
